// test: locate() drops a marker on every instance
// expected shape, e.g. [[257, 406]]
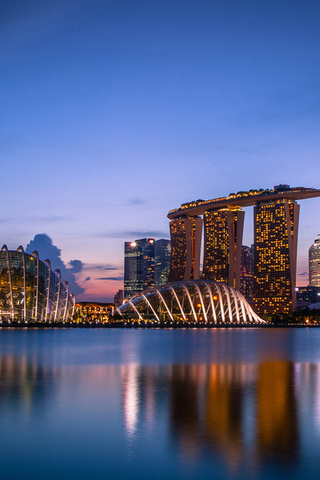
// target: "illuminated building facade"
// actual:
[[162, 261], [222, 245], [276, 233], [246, 283], [30, 291], [93, 312], [314, 263], [138, 266], [186, 235], [275, 253], [307, 295]]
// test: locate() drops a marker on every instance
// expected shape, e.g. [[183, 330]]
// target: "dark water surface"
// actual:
[[160, 404]]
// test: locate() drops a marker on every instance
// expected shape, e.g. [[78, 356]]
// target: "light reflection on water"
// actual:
[[154, 404]]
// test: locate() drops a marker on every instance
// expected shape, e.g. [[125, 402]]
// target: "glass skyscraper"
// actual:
[[138, 265], [314, 263], [162, 261]]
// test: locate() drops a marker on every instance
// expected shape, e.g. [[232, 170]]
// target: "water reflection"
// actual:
[[237, 412], [240, 419]]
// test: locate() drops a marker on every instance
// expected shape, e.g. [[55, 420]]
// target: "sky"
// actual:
[[114, 112]]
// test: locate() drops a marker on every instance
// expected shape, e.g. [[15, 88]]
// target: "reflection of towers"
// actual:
[[224, 404], [185, 248], [277, 428], [275, 253], [222, 245], [130, 398], [233, 409], [314, 263]]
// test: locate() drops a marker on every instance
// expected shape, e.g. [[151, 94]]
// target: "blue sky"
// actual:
[[114, 112]]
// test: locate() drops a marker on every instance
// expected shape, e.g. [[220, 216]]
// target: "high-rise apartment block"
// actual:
[[146, 262], [314, 263], [276, 216]]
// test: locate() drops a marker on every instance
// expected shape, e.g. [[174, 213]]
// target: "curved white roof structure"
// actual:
[[194, 301]]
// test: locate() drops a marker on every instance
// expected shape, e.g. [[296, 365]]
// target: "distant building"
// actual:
[[138, 266], [314, 263], [162, 261], [95, 312], [246, 281], [307, 295], [118, 298]]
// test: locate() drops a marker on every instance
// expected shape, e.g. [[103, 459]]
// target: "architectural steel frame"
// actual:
[[67, 302]]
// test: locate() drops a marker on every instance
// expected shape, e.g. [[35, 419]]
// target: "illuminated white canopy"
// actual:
[[203, 301]]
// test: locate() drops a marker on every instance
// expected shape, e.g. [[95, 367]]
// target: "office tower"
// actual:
[[307, 295], [222, 245], [118, 298], [314, 263], [162, 261], [246, 284], [275, 239], [138, 266], [185, 248]]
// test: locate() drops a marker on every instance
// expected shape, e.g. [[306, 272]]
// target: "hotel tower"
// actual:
[[276, 216], [275, 256]]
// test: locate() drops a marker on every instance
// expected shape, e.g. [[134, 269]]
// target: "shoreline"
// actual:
[[16, 325]]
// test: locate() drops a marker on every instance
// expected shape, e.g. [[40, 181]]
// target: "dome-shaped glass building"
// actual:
[[193, 301], [30, 290]]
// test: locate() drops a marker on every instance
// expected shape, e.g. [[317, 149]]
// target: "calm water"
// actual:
[[173, 404]]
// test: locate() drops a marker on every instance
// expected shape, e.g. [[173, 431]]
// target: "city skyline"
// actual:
[[113, 113]]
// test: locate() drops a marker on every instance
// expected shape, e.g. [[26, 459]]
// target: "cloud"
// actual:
[[33, 219], [302, 274], [115, 279], [136, 201], [87, 279], [135, 234], [42, 243], [76, 266], [100, 267], [52, 219]]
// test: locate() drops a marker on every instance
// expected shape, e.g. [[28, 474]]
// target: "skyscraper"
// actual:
[[314, 263], [162, 261], [222, 245], [246, 284], [276, 233], [138, 266], [185, 248], [275, 253]]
